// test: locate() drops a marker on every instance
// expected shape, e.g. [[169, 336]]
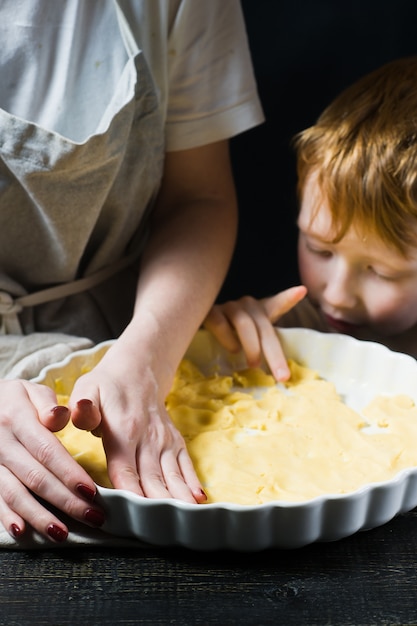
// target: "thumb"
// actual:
[[85, 415]]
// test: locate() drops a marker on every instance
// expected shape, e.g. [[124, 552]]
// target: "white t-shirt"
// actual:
[[198, 48], [61, 61], [93, 93]]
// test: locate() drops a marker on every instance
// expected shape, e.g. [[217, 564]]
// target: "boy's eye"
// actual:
[[380, 274], [325, 254]]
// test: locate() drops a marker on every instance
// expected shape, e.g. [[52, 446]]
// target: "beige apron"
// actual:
[[72, 215]]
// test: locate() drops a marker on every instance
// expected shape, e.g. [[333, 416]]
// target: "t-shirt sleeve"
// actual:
[[303, 315], [212, 92]]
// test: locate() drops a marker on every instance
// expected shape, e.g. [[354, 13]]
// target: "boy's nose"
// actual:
[[341, 288]]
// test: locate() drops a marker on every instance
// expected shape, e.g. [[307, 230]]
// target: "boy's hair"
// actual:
[[363, 150]]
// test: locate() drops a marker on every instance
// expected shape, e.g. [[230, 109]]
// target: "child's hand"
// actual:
[[248, 324]]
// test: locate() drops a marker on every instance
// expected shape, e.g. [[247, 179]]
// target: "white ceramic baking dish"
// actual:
[[360, 370]]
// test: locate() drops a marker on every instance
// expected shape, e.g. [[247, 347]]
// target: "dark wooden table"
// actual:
[[369, 578]]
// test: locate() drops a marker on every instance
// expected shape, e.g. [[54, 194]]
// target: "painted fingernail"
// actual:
[[94, 517], [15, 531], [86, 492], [84, 404], [60, 411], [57, 533]]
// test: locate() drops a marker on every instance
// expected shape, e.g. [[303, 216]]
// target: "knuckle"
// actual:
[[243, 321], [174, 477], [215, 315], [247, 300], [9, 495], [132, 429], [154, 482], [72, 507], [35, 479], [44, 453], [5, 420]]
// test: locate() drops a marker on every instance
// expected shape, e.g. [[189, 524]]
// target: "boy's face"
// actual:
[[358, 284]]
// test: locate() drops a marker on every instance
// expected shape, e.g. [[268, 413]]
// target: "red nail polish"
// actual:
[[86, 492], [94, 517], [84, 404], [15, 531], [60, 411], [57, 533]]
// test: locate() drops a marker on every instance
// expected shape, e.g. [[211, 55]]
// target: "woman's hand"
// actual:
[[248, 324], [145, 452], [34, 464], [192, 234]]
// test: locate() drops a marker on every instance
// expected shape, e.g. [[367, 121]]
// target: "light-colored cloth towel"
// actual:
[[79, 536], [24, 357]]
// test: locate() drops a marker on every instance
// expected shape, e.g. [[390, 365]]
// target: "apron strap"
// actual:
[[10, 307]]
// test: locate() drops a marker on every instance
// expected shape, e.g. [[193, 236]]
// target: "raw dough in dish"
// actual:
[[254, 441]]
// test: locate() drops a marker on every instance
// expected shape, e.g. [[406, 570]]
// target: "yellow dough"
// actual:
[[253, 441]]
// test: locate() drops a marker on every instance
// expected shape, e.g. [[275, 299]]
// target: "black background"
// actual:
[[304, 53]]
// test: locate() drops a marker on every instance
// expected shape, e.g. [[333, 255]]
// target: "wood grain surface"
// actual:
[[367, 579]]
